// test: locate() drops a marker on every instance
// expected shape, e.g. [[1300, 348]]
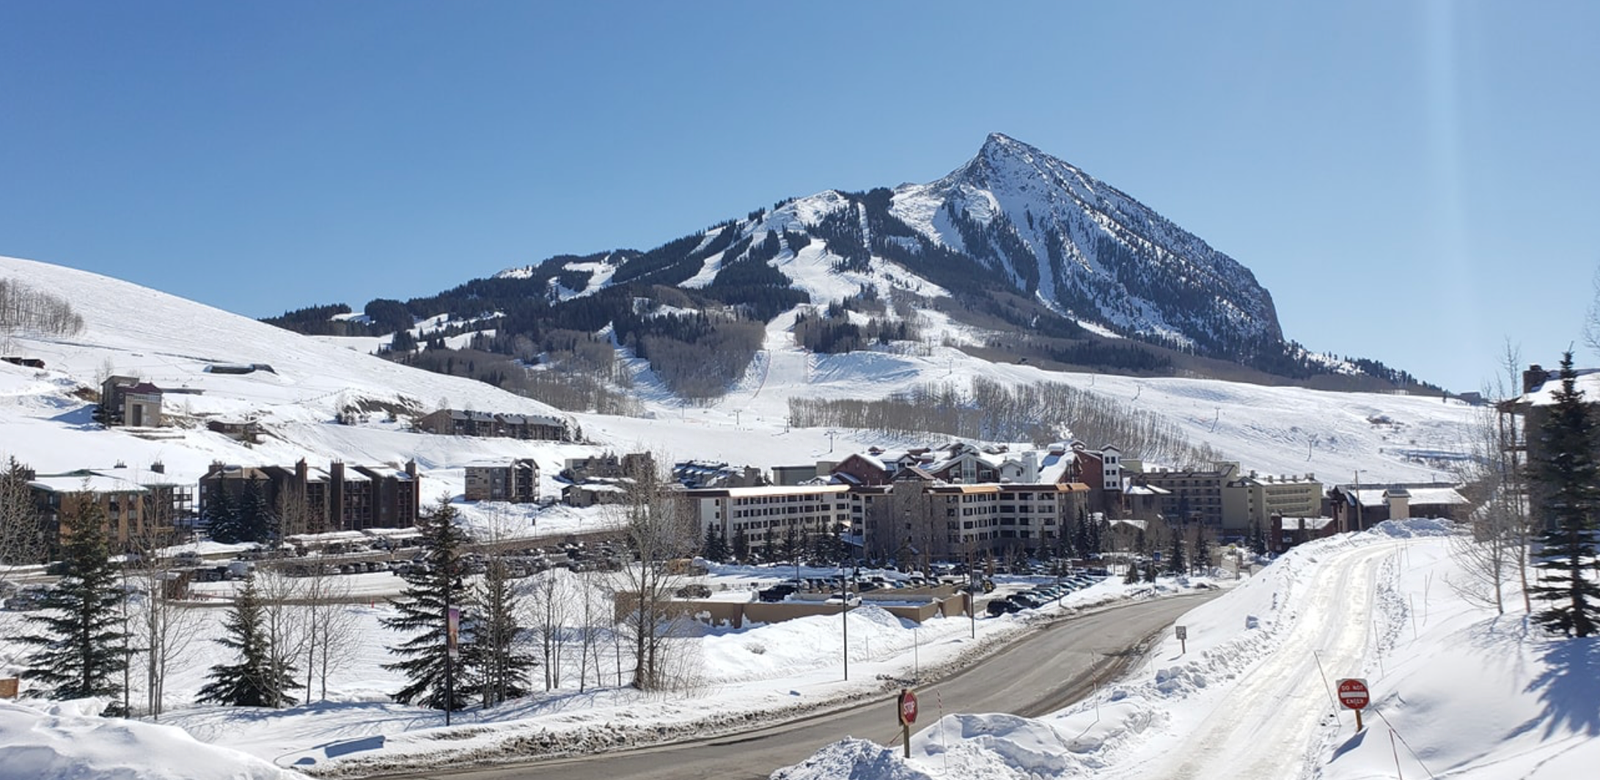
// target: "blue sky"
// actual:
[[1413, 181]]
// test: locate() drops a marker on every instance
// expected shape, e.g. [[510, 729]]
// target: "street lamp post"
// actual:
[[844, 620], [972, 596]]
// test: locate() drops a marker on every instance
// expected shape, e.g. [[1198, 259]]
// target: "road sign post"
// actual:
[[1353, 695], [1183, 638], [906, 710]]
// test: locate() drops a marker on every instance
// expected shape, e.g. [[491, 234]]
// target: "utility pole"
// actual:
[[1358, 528]]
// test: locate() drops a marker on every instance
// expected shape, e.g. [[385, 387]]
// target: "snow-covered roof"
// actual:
[[769, 490], [93, 483], [1378, 495], [1587, 382], [1436, 496]]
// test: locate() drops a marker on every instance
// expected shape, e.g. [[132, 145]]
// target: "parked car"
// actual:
[[777, 592], [999, 607], [1026, 600]]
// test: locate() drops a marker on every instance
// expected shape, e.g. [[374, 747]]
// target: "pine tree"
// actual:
[[21, 542], [262, 677], [1257, 540], [1567, 468], [82, 648], [1133, 573], [221, 516], [431, 591], [1202, 551], [741, 548], [791, 544], [256, 523], [708, 548], [496, 653], [1176, 562], [1150, 571]]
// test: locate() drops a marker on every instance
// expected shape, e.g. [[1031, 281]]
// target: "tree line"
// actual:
[[988, 410], [24, 309]]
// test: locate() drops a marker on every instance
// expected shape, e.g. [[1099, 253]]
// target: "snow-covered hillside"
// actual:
[[169, 341]]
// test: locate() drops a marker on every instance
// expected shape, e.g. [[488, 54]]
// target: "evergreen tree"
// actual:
[[708, 546], [1258, 539], [1202, 551], [1133, 573], [496, 654], [1150, 571], [81, 649], [741, 548], [791, 544], [21, 541], [1176, 562], [262, 677], [431, 590], [255, 518], [1080, 536], [222, 516], [1141, 543], [1566, 466], [403, 342], [1099, 529]]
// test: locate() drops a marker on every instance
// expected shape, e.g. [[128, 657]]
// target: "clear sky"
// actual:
[[1415, 182]]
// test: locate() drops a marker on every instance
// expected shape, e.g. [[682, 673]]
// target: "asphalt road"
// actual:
[[1047, 671]]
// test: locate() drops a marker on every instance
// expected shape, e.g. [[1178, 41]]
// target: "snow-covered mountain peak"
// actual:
[[1089, 250]]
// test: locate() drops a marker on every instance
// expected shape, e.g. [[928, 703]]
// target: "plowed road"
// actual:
[[1041, 673]]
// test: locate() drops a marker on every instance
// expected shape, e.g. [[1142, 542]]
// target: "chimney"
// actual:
[[1533, 377], [158, 467]]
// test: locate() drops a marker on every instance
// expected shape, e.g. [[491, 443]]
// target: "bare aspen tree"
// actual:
[[661, 531], [291, 514], [162, 625], [283, 617], [547, 602], [331, 634], [24, 310], [591, 610], [1493, 548]]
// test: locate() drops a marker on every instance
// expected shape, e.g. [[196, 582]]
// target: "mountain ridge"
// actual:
[[1058, 264]]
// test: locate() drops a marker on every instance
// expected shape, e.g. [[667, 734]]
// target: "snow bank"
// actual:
[[67, 740]]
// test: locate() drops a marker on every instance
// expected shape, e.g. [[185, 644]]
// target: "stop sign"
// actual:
[[1353, 693], [908, 707]]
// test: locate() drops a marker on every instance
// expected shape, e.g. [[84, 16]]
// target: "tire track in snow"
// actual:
[[1267, 724]]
